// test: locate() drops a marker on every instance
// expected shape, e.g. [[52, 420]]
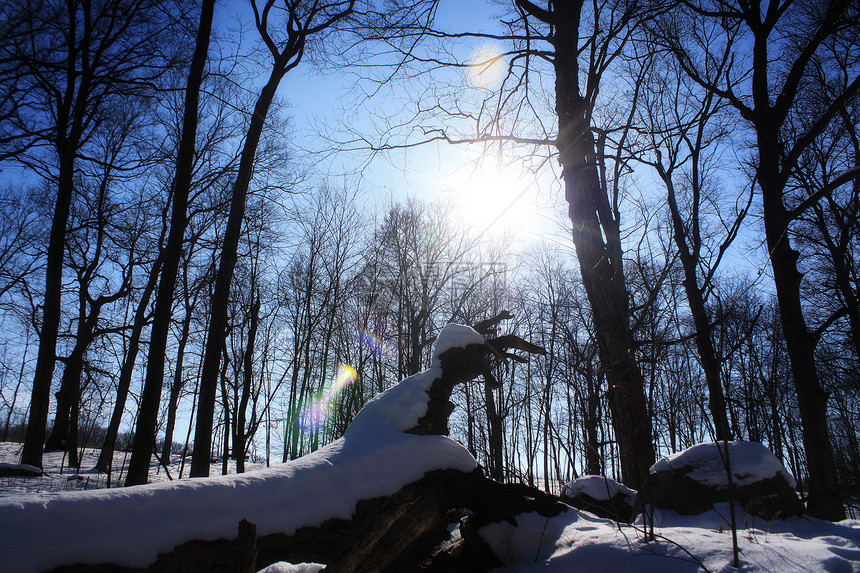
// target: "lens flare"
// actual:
[[369, 340], [314, 415]]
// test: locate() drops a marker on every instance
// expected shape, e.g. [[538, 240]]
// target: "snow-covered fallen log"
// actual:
[[384, 456]]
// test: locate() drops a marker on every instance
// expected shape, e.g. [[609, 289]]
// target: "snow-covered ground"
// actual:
[[129, 526], [59, 477], [579, 541]]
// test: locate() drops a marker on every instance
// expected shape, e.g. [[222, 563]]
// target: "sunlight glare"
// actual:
[[370, 339], [492, 199], [486, 67]]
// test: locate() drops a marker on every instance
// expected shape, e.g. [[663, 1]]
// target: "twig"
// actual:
[[678, 545], [540, 542]]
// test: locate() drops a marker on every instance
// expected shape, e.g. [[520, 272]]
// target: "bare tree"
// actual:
[[144, 438], [768, 92], [583, 49], [22, 230], [72, 61], [418, 254], [579, 44], [315, 290], [93, 260], [302, 20], [828, 233], [687, 130]]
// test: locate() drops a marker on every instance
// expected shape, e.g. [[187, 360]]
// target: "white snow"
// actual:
[[580, 541], [399, 407], [750, 461], [598, 488], [455, 336], [130, 526], [283, 567]]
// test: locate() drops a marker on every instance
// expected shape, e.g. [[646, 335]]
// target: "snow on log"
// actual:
[[462, 354], [384, 456], [9, 470]]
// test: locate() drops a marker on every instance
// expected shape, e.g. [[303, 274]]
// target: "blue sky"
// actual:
[[482, 191]]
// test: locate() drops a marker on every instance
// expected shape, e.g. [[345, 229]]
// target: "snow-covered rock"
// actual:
[[692, 481], [602, 496], [7, 469], [598, 488], [283, 567], [751, 462]]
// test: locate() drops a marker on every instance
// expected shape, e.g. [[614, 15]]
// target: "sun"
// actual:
[[493, 200], [486, 67]]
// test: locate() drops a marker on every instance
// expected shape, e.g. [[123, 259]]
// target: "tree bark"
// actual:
[[776, 160], [218, 320], [176, 386], [67, 396], [126, 371], [225, 412], [600, 262], [144, 437], [37, 420], [591, 421], [704, 344], [239, 442], [494, 431], [824, 499]]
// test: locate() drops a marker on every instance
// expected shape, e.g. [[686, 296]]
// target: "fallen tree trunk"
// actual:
[[408, 530]]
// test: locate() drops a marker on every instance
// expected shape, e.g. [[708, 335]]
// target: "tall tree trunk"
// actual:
[[176, 387], [218, 320], [470, 421], [39, 399], [248, 373], [592, 401], [695, 299], [68, 395], [824, 498], [225, 406], [292, 425], [127, 371], [89, 309], [776, 160], [494, 431], [600, 263], [414, 362], [74, 420], [144, 437]]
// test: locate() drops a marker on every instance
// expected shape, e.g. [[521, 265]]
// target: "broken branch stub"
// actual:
[[461, 364]]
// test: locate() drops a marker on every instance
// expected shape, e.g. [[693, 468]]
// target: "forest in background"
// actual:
[[170, 257]]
